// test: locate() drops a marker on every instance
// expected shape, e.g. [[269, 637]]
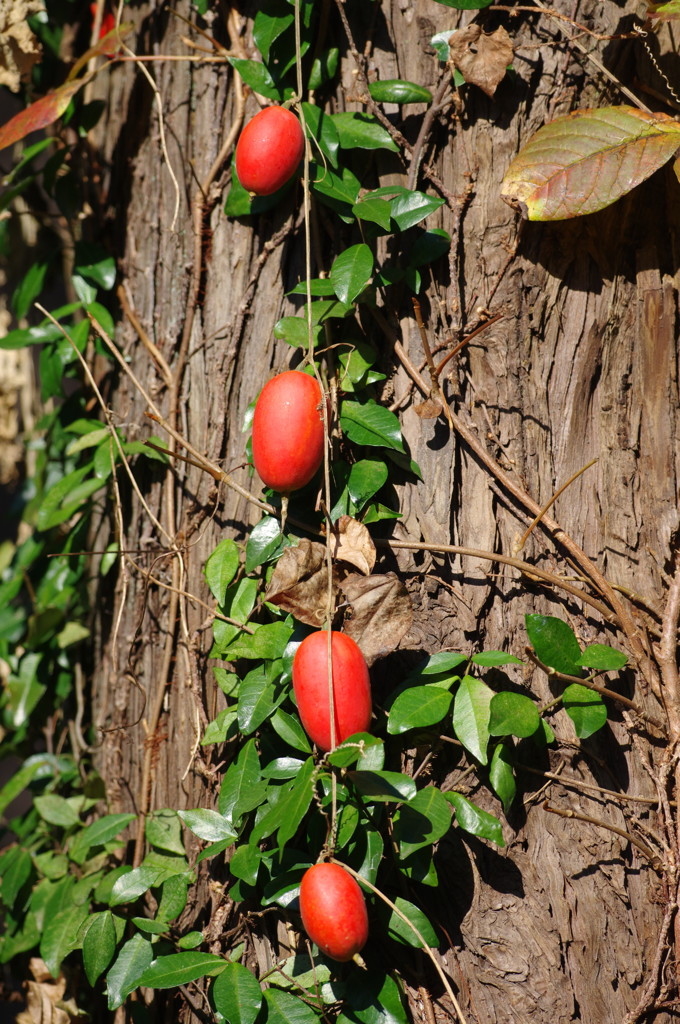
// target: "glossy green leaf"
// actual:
[[421, 822], [430, 246], [191, 940], [368, 750], [513, 714], [164, 832], [284, 1008], [101, 831], [492, 659], [410, 208], [370, 424], [237, 994], [245, 863], [383, 786], [377, 211], [93, 262], [208, 825], [221, 567], [341, 188], [441, 663], [181, 968], [255, 700], [373, 998], [132, 885], [267, 642], [123, 978], [501, 774], [99, 945], [257, 77], [398, 929], [417, 708], [267, 28], [174, 892], [319, 287], [289, 728], [471, 713], [397, 90], [362, 131], [60, 934], [351, 272], [16, 870], [603, 658], [322, 129], [221, 728], [587, 160], [297, 803], [240, 783], [475, 820], [586, 709], [554, 643], [264, 542], [295, 330]]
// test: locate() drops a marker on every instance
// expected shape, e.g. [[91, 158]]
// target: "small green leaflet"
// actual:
[[257, 77], [512, 714], [208, 825], [362, 131], [221, 568], [555, 643], [603, 658], [400, 930], [133, 959], [181, 968], [99, 945], [417, 708], [471, 713], [474, 820], [586, 709], [501, 775], [237, 994], [284, 1008], [397, 90], [422, 821], [370, 424]]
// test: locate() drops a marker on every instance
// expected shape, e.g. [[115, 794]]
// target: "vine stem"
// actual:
[[426, 949]]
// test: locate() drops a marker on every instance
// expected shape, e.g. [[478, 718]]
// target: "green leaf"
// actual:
[[319, 287], [322, 129], [173, 897], [411, 207], [221, 568], [340, 188], [268, 642], [191, 940], [324, 68], [587, 160], [370, 424], [181, 968], [554, 643], [295, 331], [97, 834], [397, 90], [603, 658], [219, 729], [208, 825], [99, 945], [297, 803], [513, 714], [492, 659], [163, 830], [501, 775], [237, 994], [586, 709], [93, 262], [474, 820], [373, 998], [16, 870], [289, 728], [418, 708], [367, 750], [123, 978], [265, 541], [430, 246], [383, 786], [267, 28], [55, 810], [72, 633], [245, 863], [398, 929], [351, 272], [29, 289], [132, 884], [257, 77], [421, 822], [239, 784], [284, 1008], [60, 935], [362, 131], [471, 712], [377, 211], [256, 699]]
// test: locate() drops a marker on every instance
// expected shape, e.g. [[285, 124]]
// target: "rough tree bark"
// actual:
[[564, 923]]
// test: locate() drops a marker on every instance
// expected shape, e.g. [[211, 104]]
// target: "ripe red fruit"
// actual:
[[269, 150], [351, 687], [288, 431], [333, 911]]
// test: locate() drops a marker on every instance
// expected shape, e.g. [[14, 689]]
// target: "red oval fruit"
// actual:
[[288, 431], [269, 150], [351, 688], [333, 911]]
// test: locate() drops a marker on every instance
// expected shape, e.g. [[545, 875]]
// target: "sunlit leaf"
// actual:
[[181, 968], [471, 712], [351, 272], [555, 643], [587, 160], [237, 994], [603, 658], [43, 112], [475, 820], [396, 90], [586, 709]]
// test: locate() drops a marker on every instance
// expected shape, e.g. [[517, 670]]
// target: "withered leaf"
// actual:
[[351, 542], [429, 409], [381, 613], [299, 583], [481, 58]]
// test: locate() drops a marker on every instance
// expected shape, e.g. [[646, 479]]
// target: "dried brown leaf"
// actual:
[[429, 409], [381, 613], [19, 47], [351, 542], [481, 58], [44, 998], [299, 583]]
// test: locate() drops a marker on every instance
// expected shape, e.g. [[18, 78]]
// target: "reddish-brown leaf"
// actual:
[[299, 583], [380, 613], [587, 160], [41, 113], [482, 58]]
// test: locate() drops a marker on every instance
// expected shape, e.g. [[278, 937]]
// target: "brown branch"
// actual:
[[667, 656], [425, 129]]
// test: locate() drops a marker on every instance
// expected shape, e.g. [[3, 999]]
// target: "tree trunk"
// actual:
[[565, 923]]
